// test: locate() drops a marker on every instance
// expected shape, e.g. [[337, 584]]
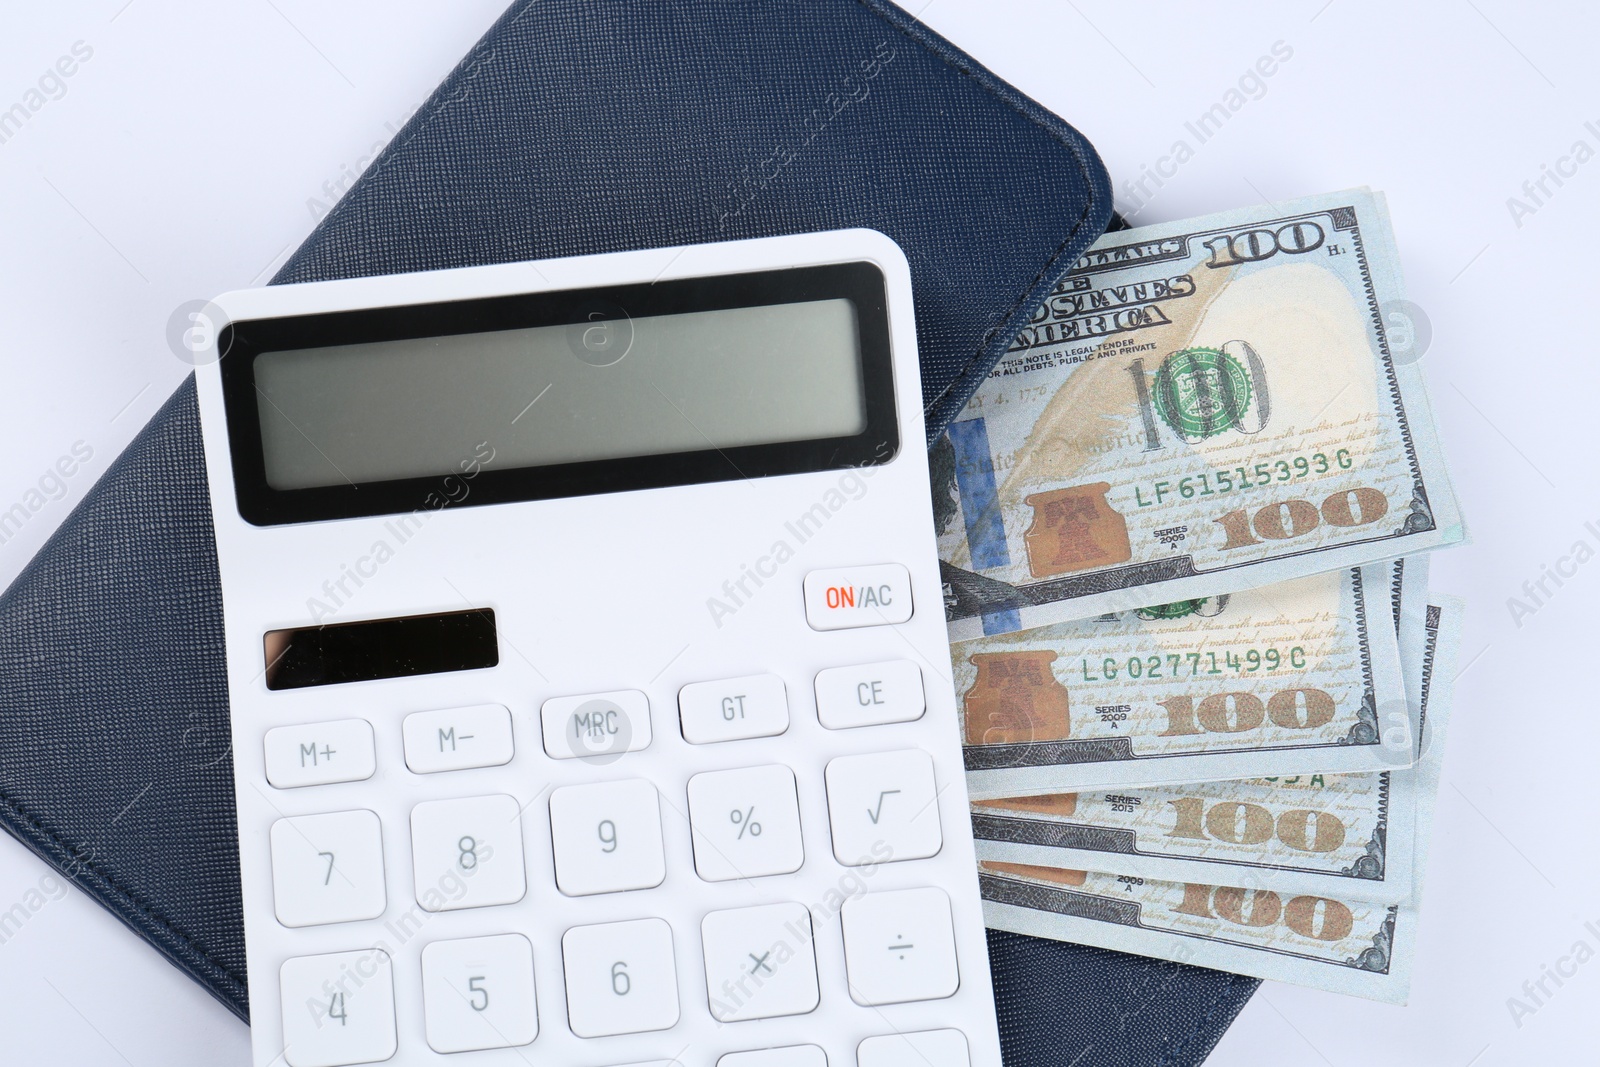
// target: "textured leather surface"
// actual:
[[114, 705], [1067, 1005], [572, 127]]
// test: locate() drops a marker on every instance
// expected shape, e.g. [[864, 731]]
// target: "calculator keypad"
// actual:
[[607, 837], [467, 853], [621, 978], [477, 993], [327, 868]]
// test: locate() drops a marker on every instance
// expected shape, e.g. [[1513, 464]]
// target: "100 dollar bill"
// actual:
[[1201, 407], [1342, 945], [1297, 677], [1349, 836]]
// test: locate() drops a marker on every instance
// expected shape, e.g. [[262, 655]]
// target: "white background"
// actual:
[[187, 155]]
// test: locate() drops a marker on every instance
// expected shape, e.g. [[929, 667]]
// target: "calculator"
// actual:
[[590, 686]]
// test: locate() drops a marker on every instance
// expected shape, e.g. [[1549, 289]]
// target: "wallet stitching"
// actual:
[[982, 77], [18, 815]]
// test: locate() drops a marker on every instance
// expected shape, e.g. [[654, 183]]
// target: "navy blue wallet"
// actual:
[[574, 126]]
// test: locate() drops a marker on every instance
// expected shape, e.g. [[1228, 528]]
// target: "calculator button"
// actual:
[[789, 1056], [338, 1008], [320, 753], [457, 738], [607, 837], [621, 978], [858, 596], [883, 807], [599, 724], [478, 993], [733, 709], [871, 694], [924, 1048], [759, 962], [745, 823], [899, 945], [327, 868], [467, 853]]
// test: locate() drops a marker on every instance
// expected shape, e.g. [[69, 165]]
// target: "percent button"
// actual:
[[746, 823]]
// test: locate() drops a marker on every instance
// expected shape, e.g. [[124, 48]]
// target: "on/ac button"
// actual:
[[858, 596]]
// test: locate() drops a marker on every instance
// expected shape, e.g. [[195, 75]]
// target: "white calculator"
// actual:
[[590, 686]]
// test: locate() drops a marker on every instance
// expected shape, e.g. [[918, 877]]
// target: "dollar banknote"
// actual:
[[1344, 835], [1297, 677], [1199, 408], [1348, 836], [1343, 945]]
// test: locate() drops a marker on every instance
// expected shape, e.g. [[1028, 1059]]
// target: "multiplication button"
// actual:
[[759, 962]]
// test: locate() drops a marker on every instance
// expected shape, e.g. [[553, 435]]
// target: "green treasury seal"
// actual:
[[1201, 392]]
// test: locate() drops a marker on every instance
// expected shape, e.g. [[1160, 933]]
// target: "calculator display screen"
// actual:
[[559, 394]]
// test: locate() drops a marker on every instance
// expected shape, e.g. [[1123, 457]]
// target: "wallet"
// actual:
[[573, 127]]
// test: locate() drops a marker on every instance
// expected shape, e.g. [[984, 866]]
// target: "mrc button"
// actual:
[[596, 724], [858, 596]]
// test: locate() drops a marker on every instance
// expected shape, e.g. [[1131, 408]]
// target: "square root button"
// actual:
[[847, 597]]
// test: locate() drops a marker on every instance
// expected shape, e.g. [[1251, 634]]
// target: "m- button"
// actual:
[[458, 738], [858, 596]]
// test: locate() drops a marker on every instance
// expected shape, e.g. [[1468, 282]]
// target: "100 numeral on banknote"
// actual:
[[1199, 408]]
